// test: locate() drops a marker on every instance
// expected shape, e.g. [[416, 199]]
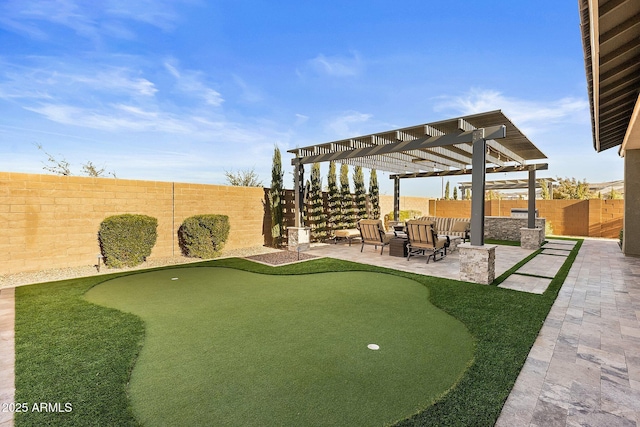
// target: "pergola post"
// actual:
[[530, 236], [298, 185], [298, 237], [531, 214], [477, 187], [396, 198], [477, 260]]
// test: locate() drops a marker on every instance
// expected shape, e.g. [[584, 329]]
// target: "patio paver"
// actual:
[[543, 265], [449, 267], [584, 368], [534, 285]]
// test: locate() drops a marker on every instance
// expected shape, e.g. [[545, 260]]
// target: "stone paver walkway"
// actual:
[[545, 266], [584, 368]]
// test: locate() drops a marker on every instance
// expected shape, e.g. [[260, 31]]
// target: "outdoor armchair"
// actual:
[[423, 240], [372, 233]]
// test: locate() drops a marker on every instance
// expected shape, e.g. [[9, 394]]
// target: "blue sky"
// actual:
[[184, 90]]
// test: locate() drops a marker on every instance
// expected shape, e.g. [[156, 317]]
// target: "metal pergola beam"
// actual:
[[493, 132], [490, 169], [508, 184]]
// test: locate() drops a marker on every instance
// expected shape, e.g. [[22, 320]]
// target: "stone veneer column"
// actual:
[[531, 238], [477, 263], [299, 238]]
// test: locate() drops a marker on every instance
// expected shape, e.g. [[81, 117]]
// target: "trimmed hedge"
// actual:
[[126, 240], [203, 236]]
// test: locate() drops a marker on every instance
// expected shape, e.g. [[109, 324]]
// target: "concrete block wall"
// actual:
[[50, 221], [450, 208], [592, 218], [406, 204]]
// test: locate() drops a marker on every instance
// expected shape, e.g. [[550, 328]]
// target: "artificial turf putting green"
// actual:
[[230, 347]]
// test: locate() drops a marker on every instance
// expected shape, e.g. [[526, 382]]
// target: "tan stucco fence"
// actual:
[[50, 221]]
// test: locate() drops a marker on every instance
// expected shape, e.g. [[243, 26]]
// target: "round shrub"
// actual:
[[203, 236], [126, 240]]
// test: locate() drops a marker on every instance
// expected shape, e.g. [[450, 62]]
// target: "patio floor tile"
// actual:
[[598, 304], [543, 265], [534, 285]]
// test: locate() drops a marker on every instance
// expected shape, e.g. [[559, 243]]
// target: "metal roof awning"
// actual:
[[611, 43], [431, 149]]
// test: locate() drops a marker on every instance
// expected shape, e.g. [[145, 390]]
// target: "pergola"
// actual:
[[471, 145]]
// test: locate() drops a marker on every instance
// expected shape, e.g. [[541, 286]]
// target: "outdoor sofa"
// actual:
[[443, 226]]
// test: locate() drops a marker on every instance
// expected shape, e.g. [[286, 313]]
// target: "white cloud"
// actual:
[[192, 83], [118, 118], [343, 125], [337, 66], [249, 93], [116, 79], [301, 119], [90, 20], [528, 115], [59, 82]]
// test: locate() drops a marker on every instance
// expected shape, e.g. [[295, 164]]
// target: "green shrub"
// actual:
[[621, 236], [203, 236], [405, 215], [126, 240]]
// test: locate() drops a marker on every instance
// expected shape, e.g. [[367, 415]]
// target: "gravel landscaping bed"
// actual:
[[281, 257], [50, 275]]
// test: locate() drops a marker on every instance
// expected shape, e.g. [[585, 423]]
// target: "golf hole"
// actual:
[[373, 347]]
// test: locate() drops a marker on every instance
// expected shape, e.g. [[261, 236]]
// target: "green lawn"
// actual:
[[252, 349], [69, 350]]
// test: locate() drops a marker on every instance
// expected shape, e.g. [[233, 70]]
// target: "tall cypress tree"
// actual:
[[544, 190], [346, 198], [374, 195], [316, 217], [276, 199], [360, 193], [333, 200]]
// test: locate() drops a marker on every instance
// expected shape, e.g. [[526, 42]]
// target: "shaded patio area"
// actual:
[[448, 267], [533, 277]]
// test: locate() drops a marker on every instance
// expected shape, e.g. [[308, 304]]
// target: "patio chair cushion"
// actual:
[[348, 233], [459, 226]]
